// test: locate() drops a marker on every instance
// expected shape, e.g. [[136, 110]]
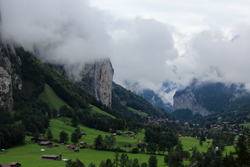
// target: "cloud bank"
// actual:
[[142, 50]]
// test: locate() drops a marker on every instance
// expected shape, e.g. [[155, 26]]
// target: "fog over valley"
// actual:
[[149, 43]]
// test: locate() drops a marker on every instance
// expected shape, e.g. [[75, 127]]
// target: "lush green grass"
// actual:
[[57, 125], [50, 97], [190, 142], [31, 159], [97, 110], [137, 112], [245, 125]]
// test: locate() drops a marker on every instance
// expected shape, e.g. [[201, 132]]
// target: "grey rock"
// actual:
[[97, 80], [187, 101]]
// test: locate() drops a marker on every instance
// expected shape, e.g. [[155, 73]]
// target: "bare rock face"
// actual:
[[6, 100], [97, 80], [187, 101]]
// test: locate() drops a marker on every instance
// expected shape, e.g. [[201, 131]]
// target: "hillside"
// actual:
[[213, 99], [124, 98]]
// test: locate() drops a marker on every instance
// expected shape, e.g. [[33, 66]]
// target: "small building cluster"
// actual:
[[12, 164]]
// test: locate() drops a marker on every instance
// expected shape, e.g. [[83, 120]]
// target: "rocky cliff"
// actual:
[[187, 100], [97, 80], [8, 77]]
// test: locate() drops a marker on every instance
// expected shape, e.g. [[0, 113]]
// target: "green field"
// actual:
[[33, 158], [137, 112], [245, 125], [97, 110], [190, 142], [29, 155], [50, 97], [57, 125]]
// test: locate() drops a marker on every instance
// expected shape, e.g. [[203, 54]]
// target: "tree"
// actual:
[[201, 143], [163, 146], [135, 163], [152, 147], [116, 160], [144, 164], [49, 134], [124, 160], [75, 120], [74, 137], [63, 137], [91, 165], [99, 142], [174, 159], [76, 163], [242, 149], [169, 146], [152, 161]]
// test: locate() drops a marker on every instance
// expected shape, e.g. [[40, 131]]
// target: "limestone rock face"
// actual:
[[97, 80], [6, 100], [187, 101]]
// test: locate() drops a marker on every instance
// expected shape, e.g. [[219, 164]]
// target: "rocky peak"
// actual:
[[186, 100], [97, 80]]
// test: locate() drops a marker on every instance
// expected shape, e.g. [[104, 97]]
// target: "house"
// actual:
[[114, 134], [83, 134], [129, 133], [179, 135], [190, 149], [83, 144], [76, 150], [45, 143], [208, 141], [141, 145], [5, 165], [72, 147], [15, 164], [39, 139], [52, 157]]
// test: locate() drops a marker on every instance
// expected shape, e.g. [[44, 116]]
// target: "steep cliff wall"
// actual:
[[97, 80], [8, 76], [187, 100]]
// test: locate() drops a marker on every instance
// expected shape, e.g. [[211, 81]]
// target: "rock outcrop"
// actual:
[[6, 100], [187, 101], [97, 80]]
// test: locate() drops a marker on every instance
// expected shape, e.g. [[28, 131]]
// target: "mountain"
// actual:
[[125, 98], [155, 100], [212, 98], [96, 77], [150, 96]]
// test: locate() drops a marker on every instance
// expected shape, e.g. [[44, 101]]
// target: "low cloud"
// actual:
[[142, 50]]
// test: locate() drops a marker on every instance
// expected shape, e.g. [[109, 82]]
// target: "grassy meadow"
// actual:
[[29, 155], [137, 112], [50, 97]]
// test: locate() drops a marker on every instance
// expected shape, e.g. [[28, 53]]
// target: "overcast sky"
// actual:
[[148, 41]]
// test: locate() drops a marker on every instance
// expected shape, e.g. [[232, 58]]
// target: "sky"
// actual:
[[149, 42]]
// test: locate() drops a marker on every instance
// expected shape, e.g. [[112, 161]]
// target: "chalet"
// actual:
[[52, 157], [208, 141], [72, 147], [76, 150], [45, 143], [83, 144], [5, 165], [141, 145], [15, 164], [114, 134], [128, 133], [39, 139], [179, 135], [190, 149]]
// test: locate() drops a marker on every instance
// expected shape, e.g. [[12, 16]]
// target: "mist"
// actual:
[[142, 50]]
